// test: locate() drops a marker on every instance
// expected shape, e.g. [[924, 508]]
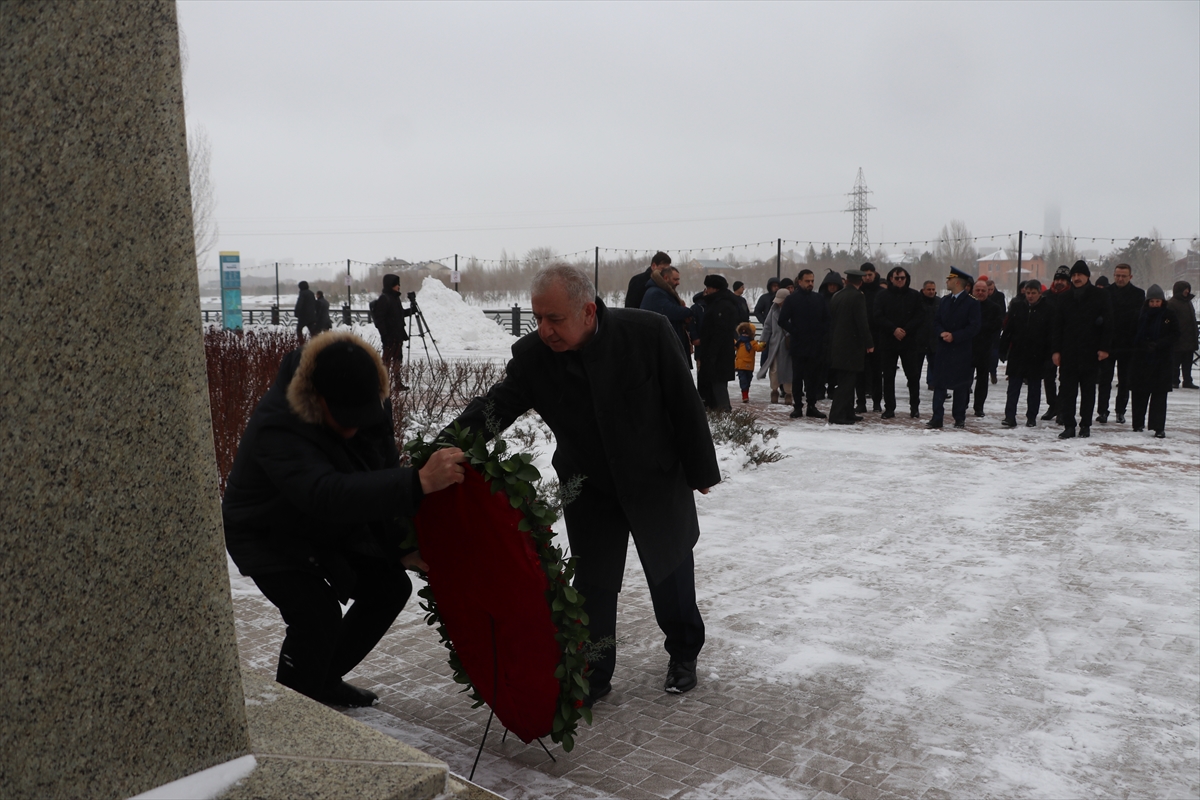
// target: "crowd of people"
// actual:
[[847, 338]]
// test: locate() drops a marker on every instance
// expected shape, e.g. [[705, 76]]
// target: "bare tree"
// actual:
[[956, 246], [540, 257], [1059, 249], [204, 201]]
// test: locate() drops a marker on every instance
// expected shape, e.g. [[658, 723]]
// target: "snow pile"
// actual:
[[456, 325]]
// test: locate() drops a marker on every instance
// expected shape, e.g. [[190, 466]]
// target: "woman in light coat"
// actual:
[[777, 363]]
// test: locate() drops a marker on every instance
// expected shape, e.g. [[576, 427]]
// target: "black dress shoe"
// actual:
[[1186, 386], [1049, 415], [843, 421], [857, 418], [343, 694], [1008, 422], [1067, 433], [877, 408], [978, 413], [861, 408], [814, 412], [915, 414], [1102, 417], [1138, 428], [596, 693], [1085, 432], [1120, 418], [681, 677], [960, 423], [888, 415], [933, 424], [796, 414], [1162, 434], [1031, 422]]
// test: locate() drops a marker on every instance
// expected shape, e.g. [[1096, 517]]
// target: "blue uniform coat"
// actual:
[[960, 316]]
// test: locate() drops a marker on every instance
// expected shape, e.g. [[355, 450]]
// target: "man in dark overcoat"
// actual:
[[899, 317], [956, 325], [718, 342], [314, 511], [613, 386], [324, 323], [870, 380], [849, 342], [663, 298], [389, 314], [991, 320], [1059, 286], [1082, 338], [1127, 301], [805, 317], [305, 311], [1025, 346], [639, 283], [1188, 341]]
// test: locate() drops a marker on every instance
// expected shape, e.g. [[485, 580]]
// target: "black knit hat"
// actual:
[[348, 378], [717, 282], [1080, 267], [1063, 272]]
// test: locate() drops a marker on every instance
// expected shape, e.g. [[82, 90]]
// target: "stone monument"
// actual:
[[118, 660]]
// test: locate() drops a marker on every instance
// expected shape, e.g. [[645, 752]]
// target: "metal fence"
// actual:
[[516, 320]]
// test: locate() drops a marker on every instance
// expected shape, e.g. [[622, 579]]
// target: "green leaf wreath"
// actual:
[[515, 476]]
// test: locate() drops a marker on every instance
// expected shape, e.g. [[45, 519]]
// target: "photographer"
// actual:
[[389, 312], [314, 511]]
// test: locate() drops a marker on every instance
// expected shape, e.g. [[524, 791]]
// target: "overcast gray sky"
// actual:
[[367, 130]]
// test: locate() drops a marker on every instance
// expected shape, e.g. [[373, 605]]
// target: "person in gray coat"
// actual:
[[850, 341], [776, 363]]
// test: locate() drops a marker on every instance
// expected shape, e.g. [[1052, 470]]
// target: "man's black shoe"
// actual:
[[843, 421], [815, 412], [861, 408], [1163, 434], [1138, 428], [877, 408], [596, 693], [796, 414], [1008, 422], [979, 412], [1102, 417], [681, 676], [933, 424], [888, 415], [994, 379], [343, 694], [1031, 422], [1067, 433], [1185, 386], [1049, 415], [915, 414], [857, 418], [1085, 432], [960, 423], [1120, 418]]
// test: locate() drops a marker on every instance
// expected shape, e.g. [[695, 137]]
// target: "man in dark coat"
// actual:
[[1153, 367], [931, 301], [763, 306], [739, 291], [805, 317], [991, 320], [305, 311], [996, 296], [956, 325], [1083, 330], [614, 388], [1186, 344], [849, 342], [899, 317], [1127, 301], [718, 343], [314, 510], [1059, 286], [388, 312], [663, 298], [324, 323], [1025, 346], [640, 282], [870, 380]]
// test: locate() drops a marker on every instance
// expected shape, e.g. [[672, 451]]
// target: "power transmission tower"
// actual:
[[859, 244]]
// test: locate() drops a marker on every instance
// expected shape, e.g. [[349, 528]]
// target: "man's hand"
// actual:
[[705, 490], [947, 337], [414, 561], [1057, 359], [899, 334], [442, 469], [1101, 354]]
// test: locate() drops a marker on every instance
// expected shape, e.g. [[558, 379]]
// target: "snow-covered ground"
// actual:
[[1023, 608]]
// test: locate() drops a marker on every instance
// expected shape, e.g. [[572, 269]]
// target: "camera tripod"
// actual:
[[422, 330]]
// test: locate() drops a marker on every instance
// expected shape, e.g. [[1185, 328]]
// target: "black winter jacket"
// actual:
[[1025, 343], [389, 313], [899, 308], [300, 496], [805, 316], [1083, 326], [1127, 306]]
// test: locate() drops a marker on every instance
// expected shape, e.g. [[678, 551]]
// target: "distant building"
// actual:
[[1186, 269], [709, 265], [1001, 266]]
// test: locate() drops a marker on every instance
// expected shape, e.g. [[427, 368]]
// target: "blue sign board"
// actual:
[[231, 290]]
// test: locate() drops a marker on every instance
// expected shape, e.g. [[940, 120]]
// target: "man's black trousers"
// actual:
[[1077, 380], [1118, 365], [910, 362], [842, 407], [808, 376], [321, 645], [598, 579]]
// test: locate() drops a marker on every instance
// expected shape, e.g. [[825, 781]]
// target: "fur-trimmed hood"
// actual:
[[302, 395], [661, 283]]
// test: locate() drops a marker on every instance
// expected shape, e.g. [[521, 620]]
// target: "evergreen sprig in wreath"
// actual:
[[515, 476]]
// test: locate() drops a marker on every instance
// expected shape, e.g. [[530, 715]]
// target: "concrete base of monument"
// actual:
[[305, 749]]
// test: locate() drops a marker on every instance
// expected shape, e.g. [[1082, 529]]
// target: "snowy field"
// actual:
[[1022, 612]]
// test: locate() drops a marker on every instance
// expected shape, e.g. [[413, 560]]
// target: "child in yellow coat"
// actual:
[[744, 360]]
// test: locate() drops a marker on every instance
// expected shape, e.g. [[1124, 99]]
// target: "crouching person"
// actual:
[[314, 511]]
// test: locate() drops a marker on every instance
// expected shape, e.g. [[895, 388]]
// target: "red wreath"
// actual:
[[490, 589]]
